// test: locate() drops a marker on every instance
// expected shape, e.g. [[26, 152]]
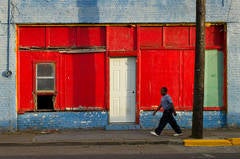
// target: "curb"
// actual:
[[207, 142], [235, 141], [120, 142], [186, 142], [212, 142]]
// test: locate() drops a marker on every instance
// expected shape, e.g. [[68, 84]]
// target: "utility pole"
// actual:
[[197, 121]]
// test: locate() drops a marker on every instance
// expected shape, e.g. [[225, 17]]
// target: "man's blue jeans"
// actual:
[[167, 117]]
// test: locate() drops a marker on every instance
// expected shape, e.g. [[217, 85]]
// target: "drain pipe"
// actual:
[[7, 73]]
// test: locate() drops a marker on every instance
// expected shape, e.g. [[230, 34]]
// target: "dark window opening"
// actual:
[[45, 102]]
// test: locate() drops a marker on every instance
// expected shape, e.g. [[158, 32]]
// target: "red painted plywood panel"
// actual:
[[83, 75], [171, 68], [150, 37], [61, 36], [48, 57], [176, 36], [159, 68], [121, 38], [215, 36], [25, 82], [84, 82], [188, 62], [68, 81], [91, 36], [100, 79], [192, 36], [30, 36]]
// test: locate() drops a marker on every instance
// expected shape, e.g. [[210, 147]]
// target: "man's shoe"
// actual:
[[176, 135], [154, 133]]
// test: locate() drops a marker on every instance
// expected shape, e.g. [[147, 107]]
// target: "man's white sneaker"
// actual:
[[154, 133], [176, 135]]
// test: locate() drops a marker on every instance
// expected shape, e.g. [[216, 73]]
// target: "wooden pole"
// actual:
[[197, 121]]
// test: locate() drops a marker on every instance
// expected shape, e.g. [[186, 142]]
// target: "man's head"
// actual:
[[164, 91]]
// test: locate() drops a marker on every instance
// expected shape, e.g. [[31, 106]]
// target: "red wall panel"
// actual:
[[100, 80], [25, 83], [32, 36], [171, 68], [84, 82], [176, 36], [150, 37], [27, 86], [121, 38], [48, 57], [188, 62], [80, 79], [192, 36], [159, 68], [214, 36], [91, 36], [166, 59], [61, 36]]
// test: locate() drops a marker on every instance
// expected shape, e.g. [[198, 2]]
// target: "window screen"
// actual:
[[45, 77]]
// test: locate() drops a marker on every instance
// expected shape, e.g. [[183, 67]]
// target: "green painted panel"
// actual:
[[214, 75]]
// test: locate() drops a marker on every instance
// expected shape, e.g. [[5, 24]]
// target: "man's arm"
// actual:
[[158, 108], [174, 111]]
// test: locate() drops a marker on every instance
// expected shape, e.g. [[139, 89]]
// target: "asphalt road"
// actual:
[[165, 156], [119, 152]]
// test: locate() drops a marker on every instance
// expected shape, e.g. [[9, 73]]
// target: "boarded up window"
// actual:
[[213, 82]]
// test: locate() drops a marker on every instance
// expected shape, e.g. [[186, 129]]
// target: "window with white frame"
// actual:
[[45, 77], [45, 86]]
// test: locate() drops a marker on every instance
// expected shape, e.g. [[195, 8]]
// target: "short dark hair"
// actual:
[[164, 89]]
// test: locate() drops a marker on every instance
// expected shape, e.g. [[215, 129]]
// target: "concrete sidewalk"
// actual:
[[102, 137]]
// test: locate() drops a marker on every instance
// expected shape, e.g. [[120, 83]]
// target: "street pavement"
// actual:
[[103, 137], [122, 156], [145, 151]]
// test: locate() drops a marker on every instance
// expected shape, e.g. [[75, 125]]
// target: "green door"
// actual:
[[214, 76]]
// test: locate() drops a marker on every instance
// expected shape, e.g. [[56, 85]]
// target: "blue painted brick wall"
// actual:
[[115, 11], [233, 119], [212, 119], [62, 120]]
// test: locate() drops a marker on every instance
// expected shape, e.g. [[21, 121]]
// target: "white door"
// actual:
[[122, 89]]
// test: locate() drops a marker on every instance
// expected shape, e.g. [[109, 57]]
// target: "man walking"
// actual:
[[167, 117]]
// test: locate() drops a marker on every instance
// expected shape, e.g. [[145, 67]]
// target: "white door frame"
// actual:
[[122, 90]]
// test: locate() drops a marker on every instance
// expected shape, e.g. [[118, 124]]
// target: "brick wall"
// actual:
[[76, 120], [7, 85], [115, 11], [212, 119], [62, 120]]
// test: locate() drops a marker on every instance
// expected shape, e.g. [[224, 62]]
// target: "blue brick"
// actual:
[[62, 120], [212, 119], [233, 119], [122, 126]]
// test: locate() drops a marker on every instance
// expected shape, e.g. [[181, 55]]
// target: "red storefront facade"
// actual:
[[62, 68]]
